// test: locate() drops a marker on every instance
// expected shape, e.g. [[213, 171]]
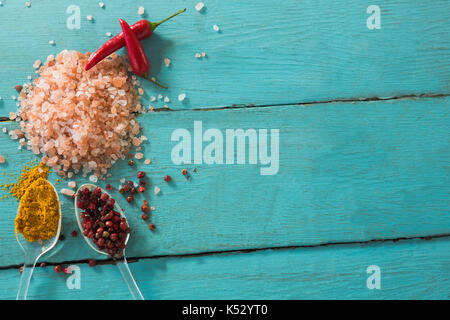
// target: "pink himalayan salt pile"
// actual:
[[80, 120]]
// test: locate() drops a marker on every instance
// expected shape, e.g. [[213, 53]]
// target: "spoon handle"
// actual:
[[129, 280], [27, 272]]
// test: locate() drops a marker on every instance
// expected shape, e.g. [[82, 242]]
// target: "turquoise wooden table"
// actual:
[[355, 98]]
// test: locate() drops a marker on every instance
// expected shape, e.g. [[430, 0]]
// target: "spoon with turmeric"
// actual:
[[37, 227]]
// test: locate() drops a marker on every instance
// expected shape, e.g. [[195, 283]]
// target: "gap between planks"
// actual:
[[310, 103], [244, 251]]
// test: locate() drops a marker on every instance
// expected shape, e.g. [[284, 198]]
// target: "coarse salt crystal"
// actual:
[[67, 192], [141, 10], [51, 42], [198, 55], [199, 6], [157, 190], [37, 64], [181, 96], [108, 34], [166, 106], [89, 17], [166, 99], [2, 159], [152, 98], [160, 96], [167, 62], [122, 180], [101, 4], [139, 155], [13, 97], [93, 178], [216, 28], [203, 54], [12, 115], [28, 4], [152, 208], [147, 161], [5, 130], [72, 184], [141, 91], [29, 77]]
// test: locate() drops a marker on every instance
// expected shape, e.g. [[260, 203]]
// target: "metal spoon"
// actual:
[[121, 264], [33, 251]]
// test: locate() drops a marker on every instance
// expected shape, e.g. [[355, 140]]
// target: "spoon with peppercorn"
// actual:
[[105, 229], [29, 212]]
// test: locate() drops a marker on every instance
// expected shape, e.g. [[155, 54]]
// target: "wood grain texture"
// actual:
[[409, 270], [266, 53], [348, 172]]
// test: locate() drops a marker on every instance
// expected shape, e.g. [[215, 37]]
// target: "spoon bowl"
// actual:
[[33, 251], [77, 215], [122, 262]]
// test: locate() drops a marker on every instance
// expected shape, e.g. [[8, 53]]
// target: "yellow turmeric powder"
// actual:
[[39, 213], [30, 173]]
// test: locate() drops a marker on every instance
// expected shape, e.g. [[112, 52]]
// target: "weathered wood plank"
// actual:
[[408, 270], [348, 172], [266, 53]]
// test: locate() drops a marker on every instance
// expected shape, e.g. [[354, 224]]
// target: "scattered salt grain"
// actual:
[[51, 42], [70, 174], [139, 155], [13, 97], [122, 180], [198, 55], [72, 184], [152, 208], [28, 4], [108, 34], [12, 115], [216, 28], [93, 178], [166, 106], [141, 10], [2, 159], [167, 62], [166, 99], [181, 97], [89, 17], [203, 54], [1, 3], [37, 64], [160, 96], [101, 4], [5, 130], [157, 190], [141, 91], [29, 77], [67, 192], [199, 6], [152, 98], [147, 161]]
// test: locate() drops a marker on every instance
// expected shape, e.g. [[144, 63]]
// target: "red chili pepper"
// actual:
[[143, 29], [138, 58]]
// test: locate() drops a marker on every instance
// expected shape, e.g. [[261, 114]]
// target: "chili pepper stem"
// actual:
[[155, 24], [145, 76]]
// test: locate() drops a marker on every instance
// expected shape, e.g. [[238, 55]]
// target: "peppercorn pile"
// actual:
[[101, 223]]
